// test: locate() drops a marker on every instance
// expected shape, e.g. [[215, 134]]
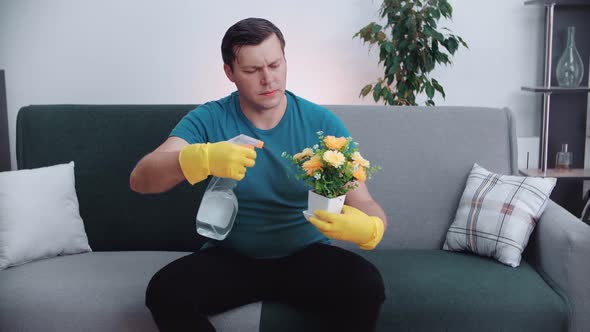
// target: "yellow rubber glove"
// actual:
[[351, 225], [221, 159]]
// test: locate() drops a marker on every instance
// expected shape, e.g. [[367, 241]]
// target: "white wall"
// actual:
[[142, 51]]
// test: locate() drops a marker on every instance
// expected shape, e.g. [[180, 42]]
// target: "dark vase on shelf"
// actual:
[[570, 67]]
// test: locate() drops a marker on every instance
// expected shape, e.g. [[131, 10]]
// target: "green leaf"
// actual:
[[451, 45], [401, 88], [385, 94], [376, 28], [385, 52], [397, 33], [388, 46], [390, 79], [407, 7], [391, 99], [435, 13], [427, 31], [447, 9], [428, 63], [431, 21], [396, 61], [438, 36], [382, 54], [365, 91], [462, 41], [366, 33], [411, 63], [429, 90], [377, 92], [438, 87], [401, 47], [391, 69], [411, 24], [441, 58], [412, 99]]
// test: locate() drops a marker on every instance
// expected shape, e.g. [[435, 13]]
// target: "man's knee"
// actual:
[[160, 291], [372, 285], [153, 292], [360, 284]]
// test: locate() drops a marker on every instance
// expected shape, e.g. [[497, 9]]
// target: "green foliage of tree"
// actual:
[[410, 46]]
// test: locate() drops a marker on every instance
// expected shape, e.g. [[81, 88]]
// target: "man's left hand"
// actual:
[[351, 225]]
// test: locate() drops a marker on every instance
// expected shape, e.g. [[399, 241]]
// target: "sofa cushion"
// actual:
[[464, 292], [497, 214], [39, 215], [94, 292], [426, 290], [436, 290]]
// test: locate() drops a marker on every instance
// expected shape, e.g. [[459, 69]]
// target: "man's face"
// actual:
[[260, 74]]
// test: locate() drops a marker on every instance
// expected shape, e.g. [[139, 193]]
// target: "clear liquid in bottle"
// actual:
[[218, 209]]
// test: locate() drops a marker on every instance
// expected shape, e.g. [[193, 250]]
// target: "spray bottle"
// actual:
[[219, 206]]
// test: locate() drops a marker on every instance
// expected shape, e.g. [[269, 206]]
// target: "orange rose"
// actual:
[[306, 153], [314, 163], [335, 143], [360, 174]]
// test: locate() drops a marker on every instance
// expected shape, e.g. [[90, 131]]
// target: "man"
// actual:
[[272, 252]]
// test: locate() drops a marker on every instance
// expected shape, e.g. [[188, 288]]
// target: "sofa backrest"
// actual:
[[105, 142], [425, 155]]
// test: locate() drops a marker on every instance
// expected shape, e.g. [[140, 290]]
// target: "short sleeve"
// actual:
[[193, 126]]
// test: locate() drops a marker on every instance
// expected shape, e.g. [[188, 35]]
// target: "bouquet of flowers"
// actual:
[[333, 166]]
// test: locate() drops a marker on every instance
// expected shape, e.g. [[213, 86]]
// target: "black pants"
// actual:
[[343, 290]]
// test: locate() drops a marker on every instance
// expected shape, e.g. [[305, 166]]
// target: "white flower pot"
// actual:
[[319, 202]]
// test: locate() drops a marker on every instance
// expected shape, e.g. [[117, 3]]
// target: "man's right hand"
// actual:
[[221, 159]]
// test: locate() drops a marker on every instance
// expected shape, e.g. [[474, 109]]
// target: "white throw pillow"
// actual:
[[39, 215], [497, 214]]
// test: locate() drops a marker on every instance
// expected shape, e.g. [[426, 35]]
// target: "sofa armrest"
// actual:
[[560, 251]]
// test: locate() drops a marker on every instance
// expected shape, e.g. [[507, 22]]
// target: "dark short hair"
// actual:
[[249, 31]]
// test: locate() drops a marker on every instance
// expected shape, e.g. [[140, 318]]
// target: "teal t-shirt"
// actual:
[[269, 222]]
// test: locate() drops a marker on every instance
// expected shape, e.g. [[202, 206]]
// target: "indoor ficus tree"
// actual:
[[410, 45]]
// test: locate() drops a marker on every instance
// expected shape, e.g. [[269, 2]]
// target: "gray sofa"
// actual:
[[425, 154]]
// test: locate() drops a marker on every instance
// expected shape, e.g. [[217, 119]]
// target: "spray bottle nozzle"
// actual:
[[247, 140]]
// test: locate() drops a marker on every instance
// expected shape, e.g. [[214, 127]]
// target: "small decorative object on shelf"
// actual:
[[564, 159], [331, 168], [570, 67]]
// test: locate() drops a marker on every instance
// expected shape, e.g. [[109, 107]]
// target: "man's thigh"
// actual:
[[212, 280], [323, 276]]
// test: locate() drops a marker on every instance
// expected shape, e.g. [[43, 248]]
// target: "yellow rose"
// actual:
[[360, 174], [335, 143], [314, 163], [334, 158], [358, 159], [306, 153]]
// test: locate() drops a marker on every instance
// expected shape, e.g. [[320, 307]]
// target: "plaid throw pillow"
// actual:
[[497, 214]]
